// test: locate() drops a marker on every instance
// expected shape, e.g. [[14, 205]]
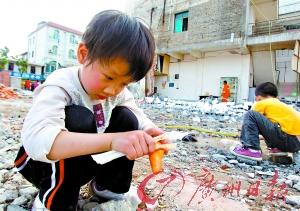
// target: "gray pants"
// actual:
[[255, 123]]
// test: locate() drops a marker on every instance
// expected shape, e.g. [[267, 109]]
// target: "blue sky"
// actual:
[[18, 18]]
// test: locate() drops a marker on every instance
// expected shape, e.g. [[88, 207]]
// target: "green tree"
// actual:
[[3, 57], [22, 65]]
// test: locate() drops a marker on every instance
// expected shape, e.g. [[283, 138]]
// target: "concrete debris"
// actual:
[[297, 186], [251, 175], [293, 200], [15, 208]]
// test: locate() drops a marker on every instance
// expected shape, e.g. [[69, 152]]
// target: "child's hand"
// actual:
[[156, 132], [134, 144]]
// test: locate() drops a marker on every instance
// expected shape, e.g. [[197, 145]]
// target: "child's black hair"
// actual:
[[266, 89], [112, 34]]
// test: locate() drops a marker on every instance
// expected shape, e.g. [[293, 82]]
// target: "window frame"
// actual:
[[11, 66], [71, 54], [179, 20], [32, 69]]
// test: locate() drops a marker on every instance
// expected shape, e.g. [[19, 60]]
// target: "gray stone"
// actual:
[[219, 157], [6, 166], [3, 174], [297, 186], [294, 178], [297, 158], [2, 198], [20, 200], [258, 168], [10, 185], [81, 203], [289, 183], [10, 194], [115, 206], [243, 192], [2, 207], [268, 173], [15, 208], [219, 187], [247, 161], [293, 200], [233, 161], [90, 206], [28, 191], [242, 165], [251, 175]]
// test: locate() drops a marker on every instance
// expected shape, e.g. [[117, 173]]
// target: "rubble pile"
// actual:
[[295, 104], [217, 118], [7, 93], [203, 107]]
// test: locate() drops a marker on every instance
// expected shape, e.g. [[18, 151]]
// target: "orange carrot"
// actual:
[[156, 161]]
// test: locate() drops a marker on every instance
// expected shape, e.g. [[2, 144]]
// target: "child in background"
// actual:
[[85, 110], [277, 122]]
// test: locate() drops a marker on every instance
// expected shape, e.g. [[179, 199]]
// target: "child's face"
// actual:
[[101, 81]]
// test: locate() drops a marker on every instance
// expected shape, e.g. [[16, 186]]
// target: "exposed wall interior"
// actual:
[[197, 77], [262, 66]]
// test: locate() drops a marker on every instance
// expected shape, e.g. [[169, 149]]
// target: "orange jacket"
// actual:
[[225, 93]]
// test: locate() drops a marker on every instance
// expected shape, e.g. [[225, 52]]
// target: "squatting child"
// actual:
[[80, 111], [277, 122]]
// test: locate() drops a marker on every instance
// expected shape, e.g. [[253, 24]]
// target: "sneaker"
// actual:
[[245, 152], [104, 193], [277, 152]]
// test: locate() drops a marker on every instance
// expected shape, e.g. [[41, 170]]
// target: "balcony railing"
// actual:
[[274, 26]]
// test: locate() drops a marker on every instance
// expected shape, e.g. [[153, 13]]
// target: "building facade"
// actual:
[[53, 46], [200, 43]]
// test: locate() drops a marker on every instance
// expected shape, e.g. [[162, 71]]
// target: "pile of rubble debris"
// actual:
[[7, 93]]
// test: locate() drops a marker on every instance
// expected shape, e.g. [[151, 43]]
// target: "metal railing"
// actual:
[[274, 26]]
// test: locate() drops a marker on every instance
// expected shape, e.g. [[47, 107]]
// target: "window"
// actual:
[[32, 54], [50, 67], [53, 50], [71, 54], [32, 69], [181, 22], [73, 39], [11, 66], [55, 35]]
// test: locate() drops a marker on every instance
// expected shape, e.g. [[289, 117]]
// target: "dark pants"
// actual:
[[59, 183], [255, 123]]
